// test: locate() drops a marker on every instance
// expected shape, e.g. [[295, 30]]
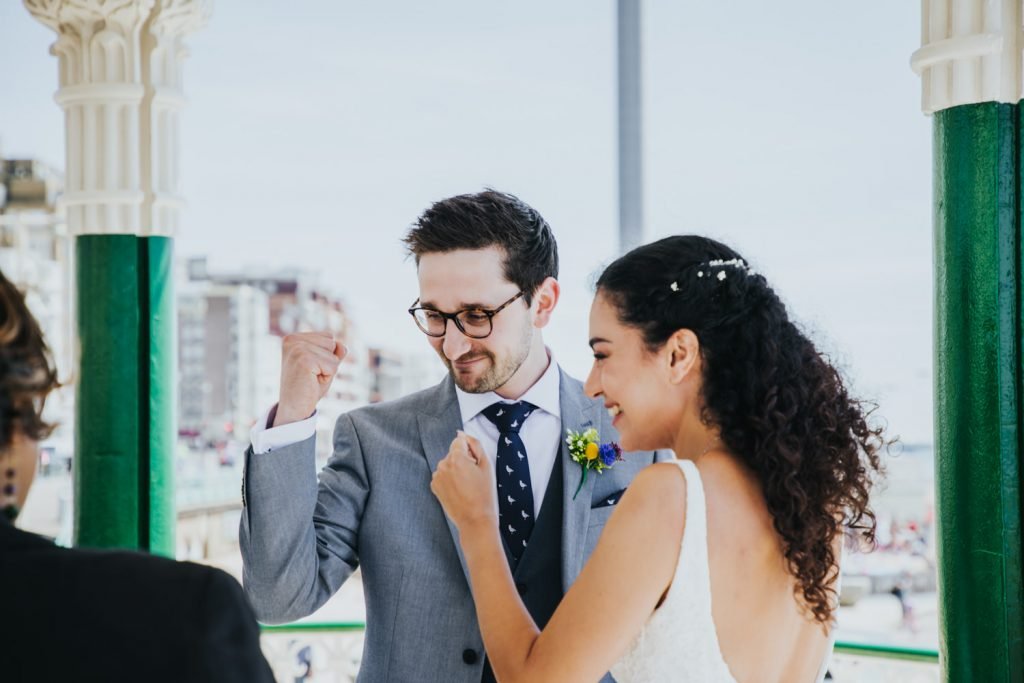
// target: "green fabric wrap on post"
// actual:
[[125, 421], [978, 380]]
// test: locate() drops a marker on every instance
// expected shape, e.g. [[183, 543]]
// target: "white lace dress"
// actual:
[[679, 642]]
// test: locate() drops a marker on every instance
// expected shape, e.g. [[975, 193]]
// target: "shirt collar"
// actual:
[[544, 394]]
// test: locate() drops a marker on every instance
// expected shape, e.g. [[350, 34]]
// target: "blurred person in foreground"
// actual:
[[89, 615]]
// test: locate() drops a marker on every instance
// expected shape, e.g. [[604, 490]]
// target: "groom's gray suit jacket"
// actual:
[[301, 539]]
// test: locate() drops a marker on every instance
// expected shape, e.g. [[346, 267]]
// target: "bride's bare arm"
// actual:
[[605, 608]]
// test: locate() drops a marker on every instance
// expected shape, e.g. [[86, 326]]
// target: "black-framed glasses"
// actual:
[[476, 323]]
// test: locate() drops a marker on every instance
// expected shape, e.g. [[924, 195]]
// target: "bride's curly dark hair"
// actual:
[[780, 405]]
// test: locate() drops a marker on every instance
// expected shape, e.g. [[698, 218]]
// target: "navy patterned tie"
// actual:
[[515, 492]]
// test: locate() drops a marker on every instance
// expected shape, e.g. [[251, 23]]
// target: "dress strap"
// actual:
[[696, 509]]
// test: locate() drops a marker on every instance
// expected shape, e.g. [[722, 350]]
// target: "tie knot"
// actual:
[[508, 417]]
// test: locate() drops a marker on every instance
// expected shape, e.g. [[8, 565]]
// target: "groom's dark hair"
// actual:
[[490, 219]]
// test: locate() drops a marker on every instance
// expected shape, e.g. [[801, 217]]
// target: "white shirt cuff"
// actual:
[[265, 440]]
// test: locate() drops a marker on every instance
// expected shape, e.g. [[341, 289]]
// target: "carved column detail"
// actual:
[[120, 74]]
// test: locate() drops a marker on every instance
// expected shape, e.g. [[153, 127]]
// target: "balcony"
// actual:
[[329, 652]]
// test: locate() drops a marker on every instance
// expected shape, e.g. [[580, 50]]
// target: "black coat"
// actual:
[[87, 615]]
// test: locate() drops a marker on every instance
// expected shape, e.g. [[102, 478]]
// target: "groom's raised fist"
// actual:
[[309, 361]]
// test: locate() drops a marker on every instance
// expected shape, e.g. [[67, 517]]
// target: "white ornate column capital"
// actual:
[[178, 18], [71, 15], [172, 21], [970, 53], [120, 88]]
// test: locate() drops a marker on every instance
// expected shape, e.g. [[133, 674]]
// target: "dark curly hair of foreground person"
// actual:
[[27, 372], [780, 405]]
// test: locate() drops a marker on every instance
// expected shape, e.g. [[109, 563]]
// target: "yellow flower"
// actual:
[[592, 451]]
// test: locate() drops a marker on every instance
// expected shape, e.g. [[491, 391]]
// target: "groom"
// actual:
[[487, 265]]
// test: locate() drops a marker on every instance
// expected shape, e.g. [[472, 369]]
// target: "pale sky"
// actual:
[[317, 131]]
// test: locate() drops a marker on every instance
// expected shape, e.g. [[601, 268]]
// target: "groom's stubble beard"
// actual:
[[497, 372]]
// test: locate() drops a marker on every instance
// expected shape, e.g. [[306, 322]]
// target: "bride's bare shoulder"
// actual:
[[660, 486], [662, 478]]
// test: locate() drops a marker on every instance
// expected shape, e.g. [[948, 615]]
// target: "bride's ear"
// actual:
[[683, 353]]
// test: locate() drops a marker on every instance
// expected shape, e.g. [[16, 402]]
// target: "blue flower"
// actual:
[[608, 454]]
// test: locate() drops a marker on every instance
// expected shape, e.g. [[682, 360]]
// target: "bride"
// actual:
[[722, 565]]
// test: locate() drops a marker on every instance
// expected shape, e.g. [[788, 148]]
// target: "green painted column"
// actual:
[[124, 450], [122, 112], [978, 418], [162, 393]]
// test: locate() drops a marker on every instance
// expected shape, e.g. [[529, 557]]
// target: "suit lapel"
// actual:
[[439, 423], [437, 430], [578, 414]]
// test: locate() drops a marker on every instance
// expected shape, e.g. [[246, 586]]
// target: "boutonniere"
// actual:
[[585, 450]]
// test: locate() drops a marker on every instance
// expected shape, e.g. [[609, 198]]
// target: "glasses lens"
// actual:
[[430, 322], [475, 323]]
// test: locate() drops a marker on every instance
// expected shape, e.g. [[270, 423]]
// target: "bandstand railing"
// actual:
[[331, 651]]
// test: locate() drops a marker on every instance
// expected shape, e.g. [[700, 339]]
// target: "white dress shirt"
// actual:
[[541, 433]]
